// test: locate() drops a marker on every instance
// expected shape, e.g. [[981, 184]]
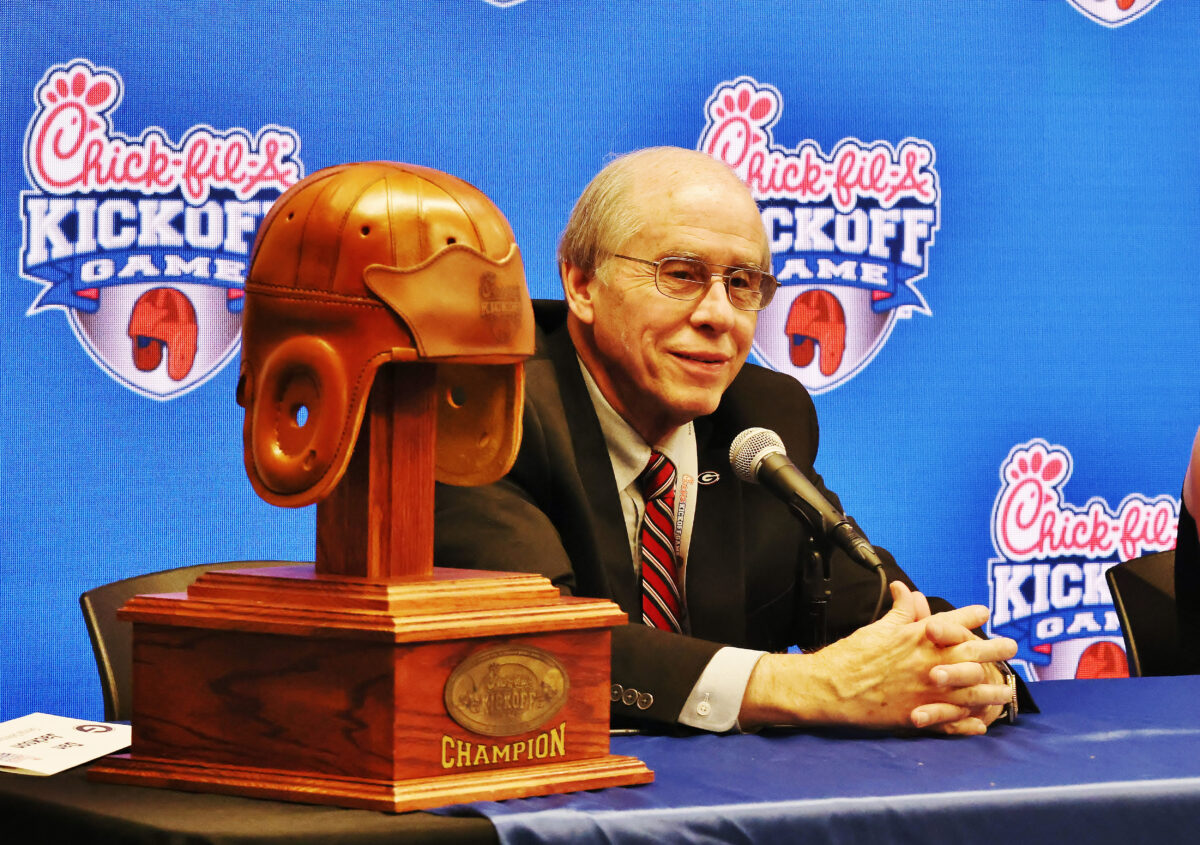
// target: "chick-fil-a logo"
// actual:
[[1032, 521], [1047, 586], [849, 231], [71, 147], [143, 242], [738, 134]]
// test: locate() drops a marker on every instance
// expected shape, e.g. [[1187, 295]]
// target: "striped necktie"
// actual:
[[660, 569]]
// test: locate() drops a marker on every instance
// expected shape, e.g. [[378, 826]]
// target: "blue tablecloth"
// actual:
[[1105, 761]]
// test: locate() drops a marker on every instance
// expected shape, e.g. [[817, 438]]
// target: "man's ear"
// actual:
[[578, 287]]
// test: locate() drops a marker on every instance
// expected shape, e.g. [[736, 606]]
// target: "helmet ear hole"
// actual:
[[456, 396], [298, 415]]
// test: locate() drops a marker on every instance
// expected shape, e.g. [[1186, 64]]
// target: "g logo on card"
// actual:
[[143, 242], [850, 233]]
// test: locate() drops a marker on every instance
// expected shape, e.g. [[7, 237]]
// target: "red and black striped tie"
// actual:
[[660, 569]]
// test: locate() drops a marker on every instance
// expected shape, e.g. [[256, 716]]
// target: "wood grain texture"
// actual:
[[339, 708], [378, 521]]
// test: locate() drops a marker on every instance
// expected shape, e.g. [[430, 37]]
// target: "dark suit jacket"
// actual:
[[558, 513]]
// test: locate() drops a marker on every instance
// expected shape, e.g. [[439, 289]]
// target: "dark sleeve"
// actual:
[[498, 527], [1187, 590], [791, 414], [505, 526]]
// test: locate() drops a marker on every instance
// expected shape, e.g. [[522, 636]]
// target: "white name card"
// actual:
[[40, 744]]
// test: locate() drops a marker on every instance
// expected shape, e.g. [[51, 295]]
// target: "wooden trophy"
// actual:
[[375, 679]]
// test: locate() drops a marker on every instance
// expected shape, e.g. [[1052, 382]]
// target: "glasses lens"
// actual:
[[688, 278], [682, 278], [749, 289]]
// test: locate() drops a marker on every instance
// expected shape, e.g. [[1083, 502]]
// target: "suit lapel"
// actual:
[[599, 487], [716, 562]]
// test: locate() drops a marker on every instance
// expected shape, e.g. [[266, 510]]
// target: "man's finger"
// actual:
[[970, 726], [904, 606], [938, 713], [958, 675], [981, 651], [971, 616], [944, 633], [921, 607], [979, 696]]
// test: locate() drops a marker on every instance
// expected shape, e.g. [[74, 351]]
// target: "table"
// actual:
[[1105, 761], [68, 808]]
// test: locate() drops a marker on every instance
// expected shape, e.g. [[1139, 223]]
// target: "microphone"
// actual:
[[759, 457]]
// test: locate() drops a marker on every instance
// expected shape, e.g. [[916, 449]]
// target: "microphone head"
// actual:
[[748, 450]]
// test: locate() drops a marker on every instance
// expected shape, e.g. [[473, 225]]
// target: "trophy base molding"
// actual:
[[389, 796]]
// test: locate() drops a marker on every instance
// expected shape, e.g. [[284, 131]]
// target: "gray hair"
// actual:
[[605, 217]]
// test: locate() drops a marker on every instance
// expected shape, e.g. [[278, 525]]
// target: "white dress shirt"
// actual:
[[716, 699]]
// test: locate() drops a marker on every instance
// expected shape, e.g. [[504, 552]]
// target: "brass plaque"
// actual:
[[506, 690]]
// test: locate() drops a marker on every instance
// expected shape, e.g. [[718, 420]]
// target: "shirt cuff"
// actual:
[[716, 699]]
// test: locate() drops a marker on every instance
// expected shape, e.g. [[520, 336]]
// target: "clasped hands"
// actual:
[[909, 669]]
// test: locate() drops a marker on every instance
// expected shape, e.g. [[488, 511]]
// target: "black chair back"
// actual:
[[112, 638], [1143, 591]]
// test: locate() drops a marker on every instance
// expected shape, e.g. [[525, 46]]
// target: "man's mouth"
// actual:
[[708, 359]]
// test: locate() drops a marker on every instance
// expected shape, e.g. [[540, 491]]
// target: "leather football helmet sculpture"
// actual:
[[363, 264]]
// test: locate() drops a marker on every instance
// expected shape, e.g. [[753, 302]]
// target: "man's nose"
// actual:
[[714, 307]]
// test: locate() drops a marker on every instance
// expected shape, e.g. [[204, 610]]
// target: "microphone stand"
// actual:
[[849, 540], [816, 580]]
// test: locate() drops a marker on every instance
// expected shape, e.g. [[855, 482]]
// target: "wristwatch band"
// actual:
[[1010, 678]]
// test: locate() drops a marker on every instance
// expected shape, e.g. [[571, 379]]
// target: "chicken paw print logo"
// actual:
[[143, 242], [1048, 590], [850, 233], [1113, 13]]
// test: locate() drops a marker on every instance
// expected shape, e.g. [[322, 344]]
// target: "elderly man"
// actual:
[[623, 489]]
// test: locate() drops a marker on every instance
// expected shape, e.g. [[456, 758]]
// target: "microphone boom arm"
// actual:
[[777, 473]]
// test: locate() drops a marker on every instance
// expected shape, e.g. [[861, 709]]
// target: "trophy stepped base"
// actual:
[[404, 694], [390, 796]]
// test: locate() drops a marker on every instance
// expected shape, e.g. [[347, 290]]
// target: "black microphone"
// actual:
[[759, 457]]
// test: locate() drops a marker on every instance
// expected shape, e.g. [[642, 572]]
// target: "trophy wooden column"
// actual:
[[374, 679], [378, 521]]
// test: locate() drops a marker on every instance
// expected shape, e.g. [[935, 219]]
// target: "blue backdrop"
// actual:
[[1003, 227]]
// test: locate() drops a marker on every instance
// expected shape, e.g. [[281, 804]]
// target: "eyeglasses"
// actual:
[[689, 278]]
